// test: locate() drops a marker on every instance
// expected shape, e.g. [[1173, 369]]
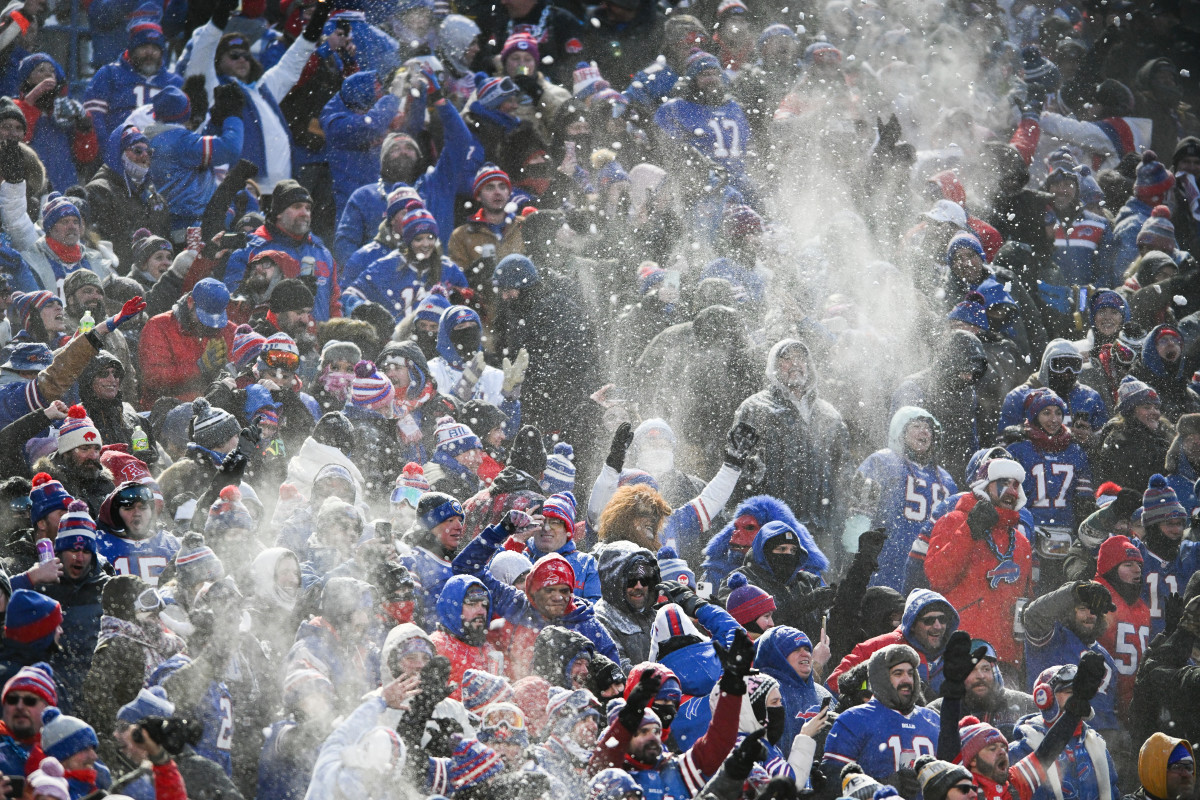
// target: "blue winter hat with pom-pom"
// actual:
[[150, 702], [560, 470], [972, 311], [63, 736], [1159, 502], [561, 507], [963, 241], [747, 603], [673, 568]]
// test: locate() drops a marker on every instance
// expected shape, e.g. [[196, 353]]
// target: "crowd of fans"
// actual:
[[720, 400]]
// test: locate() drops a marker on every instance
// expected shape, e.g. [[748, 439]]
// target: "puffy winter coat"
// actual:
[[983, 588], [801, 697], [119, 208], [795, 601], [168, 356], [81, 607], [448, 638], [28, 240]]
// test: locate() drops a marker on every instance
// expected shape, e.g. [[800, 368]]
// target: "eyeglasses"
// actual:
[[140, 149], [281, 359], [1073, 365], [932, 619], [1183, 765], [28, 700]]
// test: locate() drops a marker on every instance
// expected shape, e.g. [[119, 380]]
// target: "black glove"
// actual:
[[1035, 98], [889, 133], [957, 664], [228, 101], [778, 788], [1127, 502], [816, 601], [642, 695], [12, 166], [1088, 680], [982, 519], [172, 735], [316, 23], [513, 520], [530, 86], [1093, 595], [870, 544], [817, 780], [682, 596], [748, 752], [905, 781], [1172, 612], [740, 443], [736, 663], [436, 686], [620, 443], [221, 11]]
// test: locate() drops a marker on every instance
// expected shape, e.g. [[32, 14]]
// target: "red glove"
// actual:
[[133, 306]]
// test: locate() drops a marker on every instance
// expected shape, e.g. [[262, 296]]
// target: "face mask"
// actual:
[[427, 341], [783, 564], [775, 723], [134, 171], [287, 596], [665, 713], [656, 460], [466, 341], [1062, 383], [400, 610]]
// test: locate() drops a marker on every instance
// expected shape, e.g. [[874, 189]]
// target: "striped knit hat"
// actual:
[[416, 222], [560, 469], [37, 679], [76, 529], [403, 198], [1159, 502], [489, 172], [32, 618], [371, 390], [747, 603], [473, 762], [63, 736], [455, 437], [46, 496], [77, 430], [302, 683], [480, 688], [975, 736], [247, 344], [211, 426], [196, 562], [1153, 179], [1158, 231], [24, 304], [562, 508], [492, 92], [57, 208], [586, 80]]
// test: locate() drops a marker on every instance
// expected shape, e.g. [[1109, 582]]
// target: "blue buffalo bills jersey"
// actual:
[[910, 493], [1161, 579], [1053, 481], [880, 739], [145, 558], [1062, 646], [719, 132]]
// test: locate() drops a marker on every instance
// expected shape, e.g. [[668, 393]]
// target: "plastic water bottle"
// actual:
[[86, 322], [139, 440]]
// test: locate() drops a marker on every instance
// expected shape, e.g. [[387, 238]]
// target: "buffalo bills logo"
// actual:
[[89, 437], [573, 46], [1005, 572]]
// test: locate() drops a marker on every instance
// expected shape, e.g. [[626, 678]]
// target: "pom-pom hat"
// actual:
[[77, 430], [76, 529]]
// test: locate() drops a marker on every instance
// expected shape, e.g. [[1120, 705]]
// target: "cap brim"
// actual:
[[208, 320]]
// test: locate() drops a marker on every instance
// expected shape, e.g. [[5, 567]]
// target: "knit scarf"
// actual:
[[66, 253], [1045, 442]]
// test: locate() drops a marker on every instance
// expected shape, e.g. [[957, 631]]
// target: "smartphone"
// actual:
[[825, 701], [16, 785]]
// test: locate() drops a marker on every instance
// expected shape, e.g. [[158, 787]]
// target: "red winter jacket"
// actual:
[[167, 356], [464, 657], [967, 573], [1126, 639]]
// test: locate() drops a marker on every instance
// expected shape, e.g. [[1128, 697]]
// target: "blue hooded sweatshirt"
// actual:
[[450, 603], [719, 561], [801, 698]]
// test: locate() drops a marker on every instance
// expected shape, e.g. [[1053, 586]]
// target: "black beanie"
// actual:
[[290, 294], [10, 110], [288, 192], [528, 452]]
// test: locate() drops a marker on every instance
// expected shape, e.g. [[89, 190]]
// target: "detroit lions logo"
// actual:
[[1005, 572]]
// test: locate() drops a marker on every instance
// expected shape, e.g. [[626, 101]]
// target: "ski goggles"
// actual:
[[149, 601], [130, 496], [407, 494], [496, 719], [281, 359], [1062, 364]]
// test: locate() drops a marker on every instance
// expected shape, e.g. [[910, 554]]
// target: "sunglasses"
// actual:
[[933, 619], [967, 788], [281, 359], [139, 149], [27, 700], [638, 580], [238, 56]]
